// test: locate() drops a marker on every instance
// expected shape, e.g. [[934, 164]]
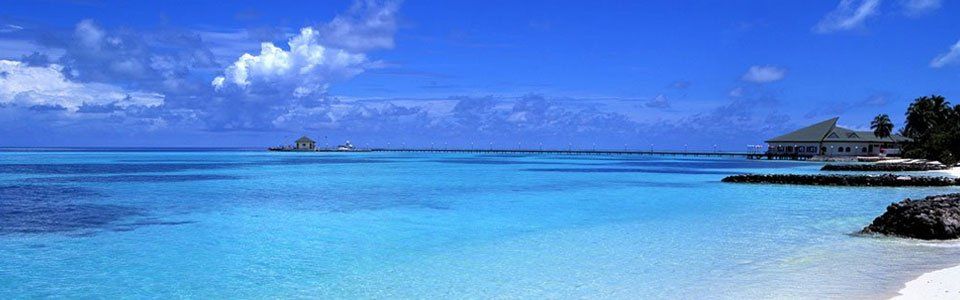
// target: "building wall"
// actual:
[[861, 149], [306, 146], [851, 149], [832, 149]]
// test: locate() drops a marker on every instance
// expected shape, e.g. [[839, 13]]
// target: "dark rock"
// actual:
[[932, 218], [844, 180], [885, 167]]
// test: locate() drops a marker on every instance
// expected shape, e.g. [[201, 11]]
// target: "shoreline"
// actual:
[[938, 284]]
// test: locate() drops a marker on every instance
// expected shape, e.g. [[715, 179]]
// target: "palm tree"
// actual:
[[881, 125], [932, 126], [926, 114]]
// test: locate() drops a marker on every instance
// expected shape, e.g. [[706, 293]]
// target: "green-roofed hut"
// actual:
[[305, 144], [827, 139]]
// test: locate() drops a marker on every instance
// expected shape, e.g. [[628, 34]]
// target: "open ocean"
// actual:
[[255, 224]]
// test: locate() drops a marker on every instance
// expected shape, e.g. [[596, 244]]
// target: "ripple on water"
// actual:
[[132, 178], [101, 168]]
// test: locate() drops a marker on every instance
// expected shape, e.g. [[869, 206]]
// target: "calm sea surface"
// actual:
[[388, 225]]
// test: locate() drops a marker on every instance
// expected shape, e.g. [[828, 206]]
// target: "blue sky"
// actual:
[[604, 74]]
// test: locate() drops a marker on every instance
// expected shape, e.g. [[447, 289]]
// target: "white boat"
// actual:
[[346, 147]]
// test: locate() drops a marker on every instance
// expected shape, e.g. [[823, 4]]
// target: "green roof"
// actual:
[[828, 131], [304, 139], [810, 134], [840, 134]]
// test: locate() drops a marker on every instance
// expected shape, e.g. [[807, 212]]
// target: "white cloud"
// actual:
[[28, 86], [367, 25], [849, 14], [317, 56], [951, 57], [764, 74], [89, 34], [8, 28], [308, 67], [919, 7]]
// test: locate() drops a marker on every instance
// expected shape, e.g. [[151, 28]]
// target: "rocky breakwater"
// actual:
[[885, 167], [931, 218], [844, 180]]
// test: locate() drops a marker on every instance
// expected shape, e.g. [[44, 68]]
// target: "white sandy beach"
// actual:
[[941, 284]]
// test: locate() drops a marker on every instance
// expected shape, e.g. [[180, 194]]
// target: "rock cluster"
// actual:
[[931, 218], [886, 167], [844, 180]]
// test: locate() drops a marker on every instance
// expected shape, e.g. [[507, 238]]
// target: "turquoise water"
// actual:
[[389, 225]]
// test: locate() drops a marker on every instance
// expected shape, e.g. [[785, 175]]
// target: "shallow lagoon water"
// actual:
[[237, 224]]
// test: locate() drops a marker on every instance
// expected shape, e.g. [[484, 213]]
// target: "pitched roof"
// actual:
[[304, 139], [840, 134], [812, 134], [828, 131]]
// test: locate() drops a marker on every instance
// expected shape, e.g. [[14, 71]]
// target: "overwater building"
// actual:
[[305, 143], [828, 139]]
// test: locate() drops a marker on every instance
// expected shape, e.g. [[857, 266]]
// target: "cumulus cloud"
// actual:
[[368, 25], [764, 74], [920, 7], [132, 79], [747, 119], [160, 60], [47, 88], [849, 14], [316, 57], [90, 35], [950, 57], [464, 120], [533, 116], [306, 68], [384, 118]]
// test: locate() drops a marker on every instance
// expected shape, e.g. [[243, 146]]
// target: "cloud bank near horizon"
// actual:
[[96, 84]]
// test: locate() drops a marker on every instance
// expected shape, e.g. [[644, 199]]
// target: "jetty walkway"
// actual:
[[747, 155]]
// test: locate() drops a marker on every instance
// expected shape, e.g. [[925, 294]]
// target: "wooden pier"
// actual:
[[746, 155]]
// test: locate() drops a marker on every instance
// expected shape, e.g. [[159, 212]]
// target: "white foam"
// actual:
[[925, 243], [955, 172]]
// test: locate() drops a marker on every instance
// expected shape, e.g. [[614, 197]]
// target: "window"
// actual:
[[800, 149], [779, 148], [789, 148], [864, 150], [811, 149], [840, 149], [847, 150]]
